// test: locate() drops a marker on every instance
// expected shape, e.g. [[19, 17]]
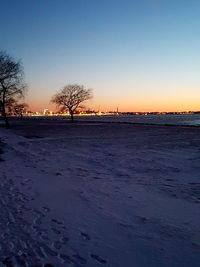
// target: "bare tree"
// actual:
[[71, 96], [9, 104], [18, 108], [11, 82]]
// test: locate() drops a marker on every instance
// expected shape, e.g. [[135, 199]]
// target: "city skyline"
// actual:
[[136, 56]]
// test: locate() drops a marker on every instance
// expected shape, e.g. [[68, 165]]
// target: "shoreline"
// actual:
[[67, 121]]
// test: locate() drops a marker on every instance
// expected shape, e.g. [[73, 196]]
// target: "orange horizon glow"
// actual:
[[138, 107], [169, 99]]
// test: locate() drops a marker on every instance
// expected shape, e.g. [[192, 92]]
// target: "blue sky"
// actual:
[[137, 55]]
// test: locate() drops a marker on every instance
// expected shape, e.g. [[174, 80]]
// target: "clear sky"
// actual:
[[138, 55]]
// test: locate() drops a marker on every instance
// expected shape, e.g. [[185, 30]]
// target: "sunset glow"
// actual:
[[136, 55]]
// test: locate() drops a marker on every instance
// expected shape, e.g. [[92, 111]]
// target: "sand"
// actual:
[[100, 194]]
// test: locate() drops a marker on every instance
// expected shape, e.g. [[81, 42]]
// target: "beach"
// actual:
[[100, 194]]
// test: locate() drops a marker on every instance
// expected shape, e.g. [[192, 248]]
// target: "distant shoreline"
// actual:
[[150, 120]]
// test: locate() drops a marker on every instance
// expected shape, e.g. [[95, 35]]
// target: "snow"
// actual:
[[100, 194]]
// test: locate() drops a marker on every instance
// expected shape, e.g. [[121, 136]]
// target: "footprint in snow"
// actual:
[[46, 209], [56, 231], [85, 236], [66, 258], [80, 259], [57, 245], [98, 258], [58, 174], [64, 239], [57, 222]]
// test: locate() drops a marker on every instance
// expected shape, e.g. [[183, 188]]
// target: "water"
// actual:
[[181, 119]]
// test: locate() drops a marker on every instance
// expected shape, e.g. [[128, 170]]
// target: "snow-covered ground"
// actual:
[[113, 195]]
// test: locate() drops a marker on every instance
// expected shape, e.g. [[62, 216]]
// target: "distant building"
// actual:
[[46, 111]]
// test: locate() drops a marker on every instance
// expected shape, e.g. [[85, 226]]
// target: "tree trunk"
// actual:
[[7, 125], [4, 110], [72, 116]]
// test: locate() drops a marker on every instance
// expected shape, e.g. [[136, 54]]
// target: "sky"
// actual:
[[137, 55]]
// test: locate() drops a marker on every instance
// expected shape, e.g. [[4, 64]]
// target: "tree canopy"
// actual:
[[12, 84], [71, 96]]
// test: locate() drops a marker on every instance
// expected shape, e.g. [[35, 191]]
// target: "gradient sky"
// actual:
[[138, 55]]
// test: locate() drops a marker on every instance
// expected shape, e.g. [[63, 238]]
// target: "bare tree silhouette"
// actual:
[[12, 84], [18, 108], [71, 96]]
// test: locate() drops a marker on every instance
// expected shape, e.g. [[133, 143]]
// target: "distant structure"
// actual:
[[46, 111], [117, 111], [99, 112]]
